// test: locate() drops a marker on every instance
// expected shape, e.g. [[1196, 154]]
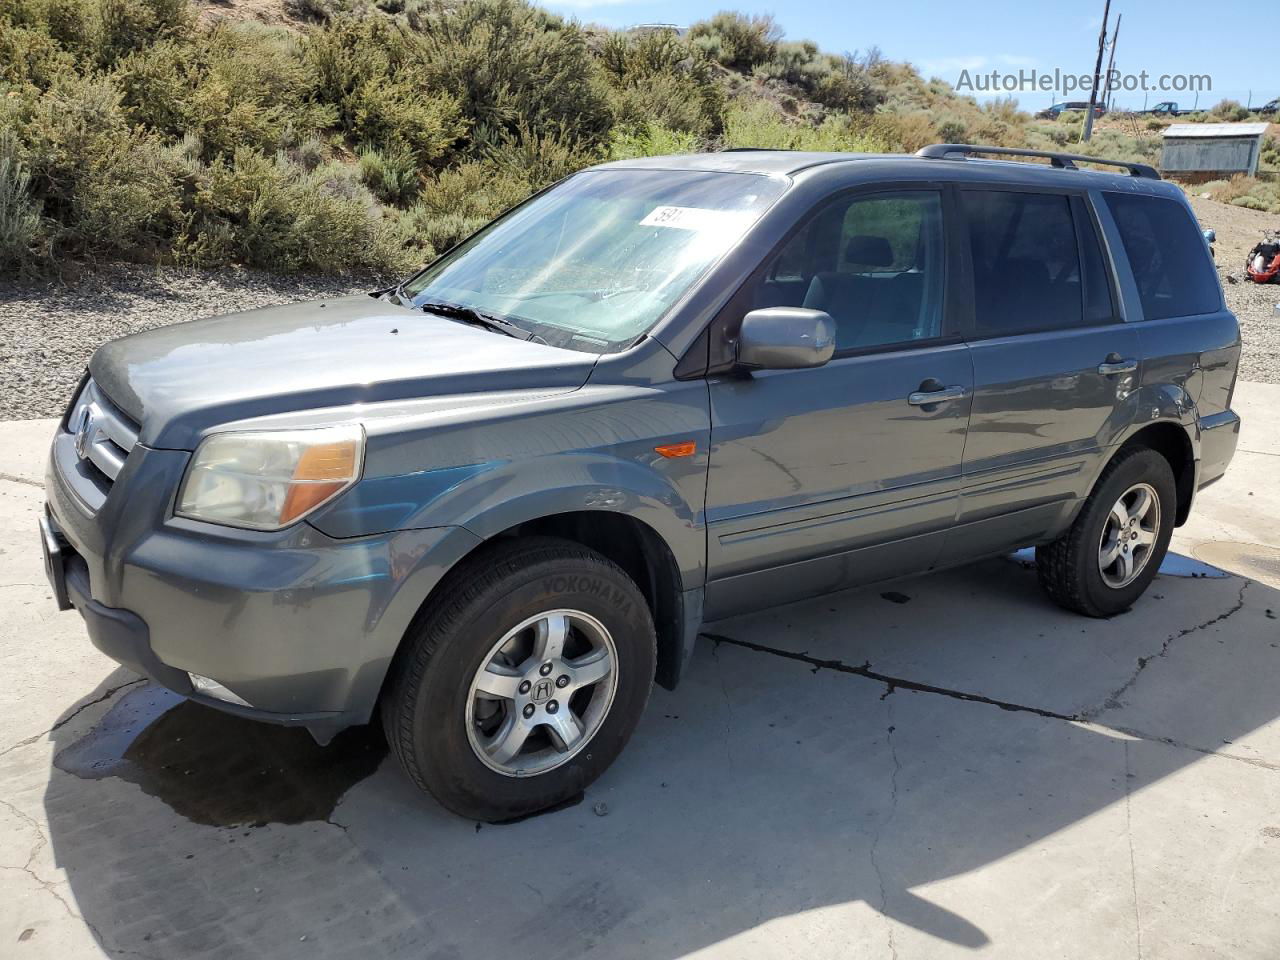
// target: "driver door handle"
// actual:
[[927, 398]]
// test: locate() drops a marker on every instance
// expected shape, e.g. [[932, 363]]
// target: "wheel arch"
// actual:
[[632, 544], [1171, 440]]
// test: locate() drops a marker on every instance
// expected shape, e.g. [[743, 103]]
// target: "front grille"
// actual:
[[94, 444]]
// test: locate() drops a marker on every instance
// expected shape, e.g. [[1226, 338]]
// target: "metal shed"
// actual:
[[1219, 148]]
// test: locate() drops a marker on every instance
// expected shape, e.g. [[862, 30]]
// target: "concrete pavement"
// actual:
[[944, 766]]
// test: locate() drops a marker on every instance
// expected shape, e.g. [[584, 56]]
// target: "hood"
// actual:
[[180, 380]]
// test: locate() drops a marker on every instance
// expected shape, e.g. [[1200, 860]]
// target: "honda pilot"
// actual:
[[491, 506]]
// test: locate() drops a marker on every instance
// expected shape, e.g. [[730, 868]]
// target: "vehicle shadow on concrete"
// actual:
[[892, 766]]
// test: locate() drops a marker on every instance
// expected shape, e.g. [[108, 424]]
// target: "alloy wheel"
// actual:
[[1129, 536], [541, 693]]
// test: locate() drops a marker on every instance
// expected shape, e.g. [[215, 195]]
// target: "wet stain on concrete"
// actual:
[[220, 770], [1254, 560]]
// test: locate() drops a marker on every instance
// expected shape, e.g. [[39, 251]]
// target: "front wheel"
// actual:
[[1114, 549], [524, 683]]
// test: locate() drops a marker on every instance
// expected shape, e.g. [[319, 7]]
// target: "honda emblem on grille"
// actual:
[[84, 432]]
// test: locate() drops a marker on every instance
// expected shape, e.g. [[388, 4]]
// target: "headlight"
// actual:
[[266, 480]]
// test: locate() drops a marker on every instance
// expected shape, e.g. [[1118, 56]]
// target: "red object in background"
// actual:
[[1263, 263], [1265, 275]]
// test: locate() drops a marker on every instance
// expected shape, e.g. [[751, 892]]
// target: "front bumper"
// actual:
[[298, 625]]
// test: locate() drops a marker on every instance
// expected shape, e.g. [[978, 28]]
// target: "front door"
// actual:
[[825, 478]]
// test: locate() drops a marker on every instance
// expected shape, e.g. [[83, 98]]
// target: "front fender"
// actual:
[[487, 498]]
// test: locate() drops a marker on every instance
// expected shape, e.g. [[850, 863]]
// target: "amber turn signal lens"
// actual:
[[673, 450], [321, 472]]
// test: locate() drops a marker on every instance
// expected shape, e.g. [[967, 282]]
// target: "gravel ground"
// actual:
[[48, 330], [1254, 304]]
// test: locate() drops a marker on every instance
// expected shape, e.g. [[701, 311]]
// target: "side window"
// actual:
[[1166, 253], [875, 264], [1026, 262]]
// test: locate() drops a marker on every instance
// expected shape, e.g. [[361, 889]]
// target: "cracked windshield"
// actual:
[[594, 263]]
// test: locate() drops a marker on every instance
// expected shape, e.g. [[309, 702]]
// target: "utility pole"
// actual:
[[1097, 70], [1111, 61]]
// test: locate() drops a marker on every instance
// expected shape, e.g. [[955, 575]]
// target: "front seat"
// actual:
[[867, 309]]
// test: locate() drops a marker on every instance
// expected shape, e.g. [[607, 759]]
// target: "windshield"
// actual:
[[595, 262]]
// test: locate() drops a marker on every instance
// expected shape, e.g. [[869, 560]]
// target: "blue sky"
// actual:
[[943, 37]]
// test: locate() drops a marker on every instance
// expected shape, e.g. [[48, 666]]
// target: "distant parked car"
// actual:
[[1166, 108], [1057, 109], [1271, 106]]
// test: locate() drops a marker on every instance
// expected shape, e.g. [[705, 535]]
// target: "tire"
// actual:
[[441, 724], [1071, 568]]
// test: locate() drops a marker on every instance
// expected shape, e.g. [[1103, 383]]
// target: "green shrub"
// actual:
[[1270, 155], [513, 67], [128, 25], [30, 56], [737, 40], [850, 85], [129, 201], [1231, 111], [539, 160], [391, 174], [460, 201], [657, 78], [653, 141], [272, 214], [760, 125], [20, 221], [378, 75]]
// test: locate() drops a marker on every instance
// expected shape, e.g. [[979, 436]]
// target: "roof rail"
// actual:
[[1064, 161]]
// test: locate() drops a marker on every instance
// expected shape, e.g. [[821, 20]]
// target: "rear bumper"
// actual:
[[299, 626], [1219, 435]]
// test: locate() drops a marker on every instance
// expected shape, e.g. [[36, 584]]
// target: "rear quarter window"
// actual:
[[1167, 254]]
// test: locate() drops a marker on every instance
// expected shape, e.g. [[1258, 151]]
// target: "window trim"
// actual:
[[970, 330], [1082, 204], [722, 330]]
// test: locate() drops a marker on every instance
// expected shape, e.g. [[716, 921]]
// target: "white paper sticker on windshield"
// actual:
[[693, 218]]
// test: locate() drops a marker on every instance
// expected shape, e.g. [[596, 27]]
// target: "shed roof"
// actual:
[[1190, 130]]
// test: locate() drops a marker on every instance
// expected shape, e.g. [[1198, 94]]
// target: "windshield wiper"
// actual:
[[477, 318]]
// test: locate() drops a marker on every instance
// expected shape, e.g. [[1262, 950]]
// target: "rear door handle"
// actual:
[[1110, 367], [927, 398]]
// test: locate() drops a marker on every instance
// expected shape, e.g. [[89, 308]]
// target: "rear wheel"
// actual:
[[524, 683], [1113, 550]]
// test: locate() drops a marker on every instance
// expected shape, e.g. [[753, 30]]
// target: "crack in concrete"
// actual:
[[1084, 718], [13, 478], [1128, 830], [106, 695], [891, 683], [881, 827], [42, 841], [1113, 698]]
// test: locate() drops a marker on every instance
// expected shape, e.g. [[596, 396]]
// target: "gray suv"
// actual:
[[492, 505]]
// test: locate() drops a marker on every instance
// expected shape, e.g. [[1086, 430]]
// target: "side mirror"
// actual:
[[786, 338]]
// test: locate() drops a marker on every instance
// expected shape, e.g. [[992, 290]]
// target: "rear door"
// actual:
[[825, 478], [1054, 365]]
